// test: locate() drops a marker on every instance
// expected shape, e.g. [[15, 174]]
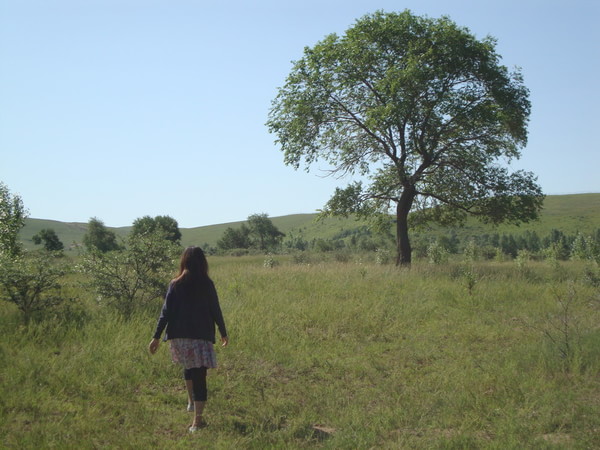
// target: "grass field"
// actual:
[[326, 355]]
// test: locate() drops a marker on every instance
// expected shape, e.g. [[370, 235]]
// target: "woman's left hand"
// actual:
[[224, 341]]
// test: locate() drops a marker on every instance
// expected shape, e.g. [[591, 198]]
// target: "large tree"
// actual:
[[422, 111]]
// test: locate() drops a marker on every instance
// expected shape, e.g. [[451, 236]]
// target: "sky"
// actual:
[[118, 109]]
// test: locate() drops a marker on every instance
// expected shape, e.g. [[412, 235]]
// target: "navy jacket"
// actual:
[[191, 315]]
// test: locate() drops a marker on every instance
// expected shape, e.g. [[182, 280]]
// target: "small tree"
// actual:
[[99, 238], [32, 282], [234, 238], [558, 243], [164, 224], [12, 219], [130, 278], [50, 240], [265, 233]]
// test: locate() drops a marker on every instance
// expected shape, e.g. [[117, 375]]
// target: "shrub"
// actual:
[[270, 262], [12, 219], [471, 251], [32, 282], [131, 278], [301, 258], [383, 256], [436, 253], [342, 256], [591, 274], [584, 248]]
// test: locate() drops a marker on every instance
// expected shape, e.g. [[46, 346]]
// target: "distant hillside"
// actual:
[[568, 213], [305, 224], [70, 233]]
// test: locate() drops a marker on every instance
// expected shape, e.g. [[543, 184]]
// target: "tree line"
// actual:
[[555, 244]]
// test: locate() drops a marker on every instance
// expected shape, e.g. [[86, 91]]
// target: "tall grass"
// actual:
[[332, 355]]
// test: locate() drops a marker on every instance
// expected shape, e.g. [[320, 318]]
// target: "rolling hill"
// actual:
[[568, 213]]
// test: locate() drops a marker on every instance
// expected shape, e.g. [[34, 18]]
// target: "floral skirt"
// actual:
[[193, 353]]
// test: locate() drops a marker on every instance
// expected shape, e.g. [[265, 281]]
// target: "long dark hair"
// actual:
[[193, 268]]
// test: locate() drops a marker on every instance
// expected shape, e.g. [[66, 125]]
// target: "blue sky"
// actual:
[[118, 109]]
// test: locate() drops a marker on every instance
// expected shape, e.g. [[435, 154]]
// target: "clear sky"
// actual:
[[118, 109]]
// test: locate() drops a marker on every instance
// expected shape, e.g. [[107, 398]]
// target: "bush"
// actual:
[[12, 219], [383, 256], [131, 278], [32, 282], [301, 258], [436, 253], [342, 256], [270, 262]]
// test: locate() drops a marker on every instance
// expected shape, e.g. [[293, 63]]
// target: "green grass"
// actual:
[[568, 213], [327, 355]]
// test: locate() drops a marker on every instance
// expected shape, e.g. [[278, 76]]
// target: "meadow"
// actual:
[[324, 354]]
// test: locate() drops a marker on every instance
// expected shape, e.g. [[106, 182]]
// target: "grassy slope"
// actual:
[[322, 356], [70, 233], [568, 213], [304, 224]]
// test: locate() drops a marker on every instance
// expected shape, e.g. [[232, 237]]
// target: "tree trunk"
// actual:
[[403, 206]]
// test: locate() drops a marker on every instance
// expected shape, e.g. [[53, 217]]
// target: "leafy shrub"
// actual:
[[129, 279], [301, 258], [585, 248], [436, 253], [342, 256], [383, 256], [32, 282], [470, 277], [471, 251], [270, 262], [12, 219], [592, 274]]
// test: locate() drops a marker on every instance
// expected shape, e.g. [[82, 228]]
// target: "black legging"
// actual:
[[198, 377]]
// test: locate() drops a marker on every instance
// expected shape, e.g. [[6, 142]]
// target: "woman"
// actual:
[[190, 312]]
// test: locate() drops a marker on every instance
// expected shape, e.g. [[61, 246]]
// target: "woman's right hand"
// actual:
[[154, 343], [224, 341]]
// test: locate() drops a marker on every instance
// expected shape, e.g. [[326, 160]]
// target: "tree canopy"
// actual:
[[98, 237], [259, 233], [266, 234], [163, 224], [49, 238], [235, 238], [421, 110]]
